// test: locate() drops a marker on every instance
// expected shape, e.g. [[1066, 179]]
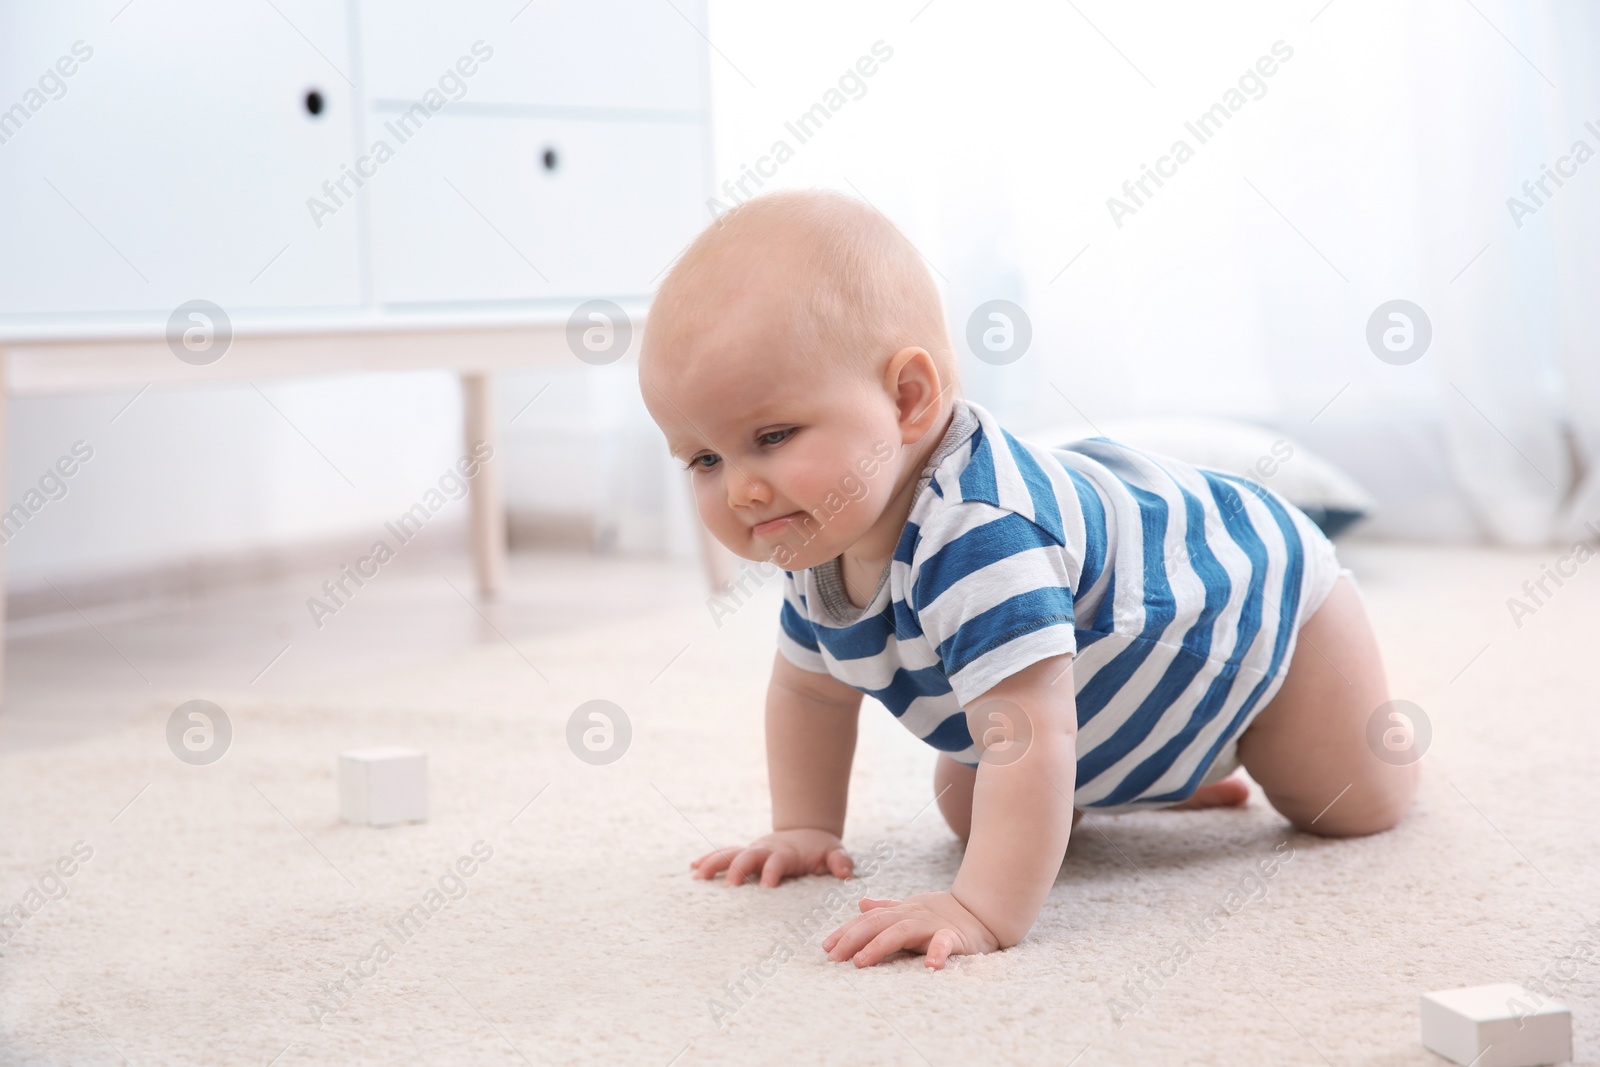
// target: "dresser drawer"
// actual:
[[550, 54], [477, 209], [176, 160]]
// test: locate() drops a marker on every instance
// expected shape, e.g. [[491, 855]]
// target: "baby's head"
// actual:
[[795, 356]]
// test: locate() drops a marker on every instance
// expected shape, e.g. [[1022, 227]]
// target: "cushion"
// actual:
[[1329, 497]]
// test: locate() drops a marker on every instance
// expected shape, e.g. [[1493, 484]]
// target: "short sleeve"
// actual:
[[797, 639], [992, 591]]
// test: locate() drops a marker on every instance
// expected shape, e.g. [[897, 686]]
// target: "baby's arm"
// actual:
[[1021, 808], [811, 741], [1021, 819]]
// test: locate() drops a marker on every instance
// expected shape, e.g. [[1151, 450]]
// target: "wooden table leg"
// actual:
[[486, 495]]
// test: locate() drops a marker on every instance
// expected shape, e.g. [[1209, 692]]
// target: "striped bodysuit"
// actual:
[[1179, 591]]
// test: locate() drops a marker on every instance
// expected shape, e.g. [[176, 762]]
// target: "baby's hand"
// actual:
[[778, 855], [932, 923]]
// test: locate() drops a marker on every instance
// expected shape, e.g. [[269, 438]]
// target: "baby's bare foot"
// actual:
[[1229, 793]]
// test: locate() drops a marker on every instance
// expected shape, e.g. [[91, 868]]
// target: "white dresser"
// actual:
[[350, 185]]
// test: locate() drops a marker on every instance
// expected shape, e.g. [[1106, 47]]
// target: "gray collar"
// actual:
[[833, 603]]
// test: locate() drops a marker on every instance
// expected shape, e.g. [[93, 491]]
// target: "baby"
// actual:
[[1087, 626]]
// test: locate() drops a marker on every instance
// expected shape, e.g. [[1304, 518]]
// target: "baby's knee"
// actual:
[[1375, 806]]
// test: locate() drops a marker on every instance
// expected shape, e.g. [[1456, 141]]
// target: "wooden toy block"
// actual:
[[1496, 1026], [383, 786]]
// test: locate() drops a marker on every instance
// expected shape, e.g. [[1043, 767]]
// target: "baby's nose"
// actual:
[[745, 491]]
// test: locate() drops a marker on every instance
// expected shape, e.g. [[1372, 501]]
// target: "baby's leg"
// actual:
[[953, 782], [952, 785], [1308, 747]]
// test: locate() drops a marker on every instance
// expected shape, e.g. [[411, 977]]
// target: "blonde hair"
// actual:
[[863, 293]]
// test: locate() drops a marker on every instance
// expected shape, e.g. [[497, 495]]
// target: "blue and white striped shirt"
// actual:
[[1177, 588]]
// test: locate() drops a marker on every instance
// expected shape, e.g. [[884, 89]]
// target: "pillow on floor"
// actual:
[[1328, 496]]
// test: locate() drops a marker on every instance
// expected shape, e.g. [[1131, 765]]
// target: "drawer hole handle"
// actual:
[[314, 102], [550, 159]]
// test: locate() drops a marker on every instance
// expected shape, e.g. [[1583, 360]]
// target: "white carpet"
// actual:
[[204, 925]]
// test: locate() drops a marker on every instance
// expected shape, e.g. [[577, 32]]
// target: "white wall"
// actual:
[[199, 472], [1375, 164], [994, 136]]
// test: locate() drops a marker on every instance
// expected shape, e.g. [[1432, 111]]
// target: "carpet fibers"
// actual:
[[222, 914]]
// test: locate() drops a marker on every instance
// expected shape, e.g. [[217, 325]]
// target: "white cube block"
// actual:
[[383, 786], [1496, 1026]]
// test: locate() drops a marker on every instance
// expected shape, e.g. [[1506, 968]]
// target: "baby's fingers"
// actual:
[[746, 864], [941, 947], [839, 863], [868, 904], [905, 934], [856, 934], [708, 865], [774, 869]]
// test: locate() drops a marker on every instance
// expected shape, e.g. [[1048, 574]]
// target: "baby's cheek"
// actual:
[[718, 519], [710, 514]]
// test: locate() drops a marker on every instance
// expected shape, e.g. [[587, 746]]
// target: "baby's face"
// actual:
[[788, 463]]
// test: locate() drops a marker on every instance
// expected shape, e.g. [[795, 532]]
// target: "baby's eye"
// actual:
[[695, 464], [781, 435]]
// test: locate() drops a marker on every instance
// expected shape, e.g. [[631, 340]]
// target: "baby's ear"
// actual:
[[912, 379]]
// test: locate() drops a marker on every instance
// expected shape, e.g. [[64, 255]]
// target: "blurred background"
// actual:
[[1337, 157]]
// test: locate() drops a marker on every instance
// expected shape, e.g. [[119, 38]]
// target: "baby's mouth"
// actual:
[[777, 525]]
